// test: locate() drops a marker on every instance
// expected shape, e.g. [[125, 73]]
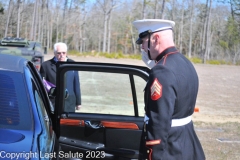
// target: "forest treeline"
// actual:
[[205, 29]]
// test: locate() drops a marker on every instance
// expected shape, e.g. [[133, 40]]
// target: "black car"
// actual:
[[108, 125], [25, 112]]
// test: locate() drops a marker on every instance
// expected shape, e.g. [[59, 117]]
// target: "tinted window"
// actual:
[[110, 93], [14, 108]]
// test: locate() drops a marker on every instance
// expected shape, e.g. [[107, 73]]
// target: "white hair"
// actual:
[[59, 44]]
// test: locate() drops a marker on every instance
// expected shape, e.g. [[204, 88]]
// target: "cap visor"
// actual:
[[139, 41]]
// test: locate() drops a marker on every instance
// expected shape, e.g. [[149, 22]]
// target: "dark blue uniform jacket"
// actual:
[[170, 93]]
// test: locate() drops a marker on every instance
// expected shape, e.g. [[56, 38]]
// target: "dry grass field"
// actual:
[[218, 121]]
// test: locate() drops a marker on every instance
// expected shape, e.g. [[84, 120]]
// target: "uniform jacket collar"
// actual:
[[165, 52]]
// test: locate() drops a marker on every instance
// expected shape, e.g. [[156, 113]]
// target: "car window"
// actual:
[[107, 93], [14, 104], [140, 86]]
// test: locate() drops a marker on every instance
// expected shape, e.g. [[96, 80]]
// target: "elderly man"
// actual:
[[48, 71], [170, 96]]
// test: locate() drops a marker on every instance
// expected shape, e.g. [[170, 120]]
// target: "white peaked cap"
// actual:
[[153, 25]]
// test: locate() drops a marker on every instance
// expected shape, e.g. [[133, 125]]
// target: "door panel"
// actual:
[[118, 138], [111, 117]]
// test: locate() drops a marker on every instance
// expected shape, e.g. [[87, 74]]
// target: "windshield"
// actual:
[[14, 108]]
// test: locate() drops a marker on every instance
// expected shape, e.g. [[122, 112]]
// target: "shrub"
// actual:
[[73, 52], [195, 60]]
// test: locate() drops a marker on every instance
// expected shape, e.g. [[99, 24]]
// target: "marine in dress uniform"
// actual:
[[170, 97]]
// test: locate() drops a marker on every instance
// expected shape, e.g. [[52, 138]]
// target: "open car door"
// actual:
[[110, 120]]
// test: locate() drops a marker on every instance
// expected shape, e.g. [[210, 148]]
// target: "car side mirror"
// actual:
[[45, 50]]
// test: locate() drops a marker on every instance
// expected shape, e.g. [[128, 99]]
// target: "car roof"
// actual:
[[12, 63]]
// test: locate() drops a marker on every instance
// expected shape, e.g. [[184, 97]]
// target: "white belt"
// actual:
[[181, 122], [175, 122]]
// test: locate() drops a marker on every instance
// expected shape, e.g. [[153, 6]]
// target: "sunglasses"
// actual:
[[61, 52]]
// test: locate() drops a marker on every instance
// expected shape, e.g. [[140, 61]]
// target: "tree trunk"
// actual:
[[47, 24], [51, 31], [190, 34], [107, 11], [209, 35], [99, 43], [181, 30], [26, 29], [155, 9], [33, 21], [42, 24], [133, 41], [57, 21], [8, 17], [22, 21], [81, 39], [204, 33], [67, 23], [105, 32], [125, 44], [63, 26], [18, 17], [162, 9], [207, 32], [109, 33], [143, 9], [40, 16]]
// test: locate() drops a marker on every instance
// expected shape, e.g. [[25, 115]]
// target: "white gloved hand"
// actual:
[[146, 60]]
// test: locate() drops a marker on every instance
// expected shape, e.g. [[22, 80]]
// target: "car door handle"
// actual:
[[94, 124]]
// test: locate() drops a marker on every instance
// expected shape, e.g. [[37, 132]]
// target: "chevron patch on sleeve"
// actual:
[[156, 90]]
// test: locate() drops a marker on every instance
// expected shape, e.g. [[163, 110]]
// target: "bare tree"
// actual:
[[33, 20], [48, 24], [207, 33], [107, 7], [204, 28], [22, 23], [63, 26], [195, 33], [82, 21], [191, 29], [57, 19], [162, 9], [51, 30], [68, 25], [155, 9], [8, 17], [19, 2], [143, 9], [43, 19], [40, 17], [36, 21], [181, 29], [109, 34]]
